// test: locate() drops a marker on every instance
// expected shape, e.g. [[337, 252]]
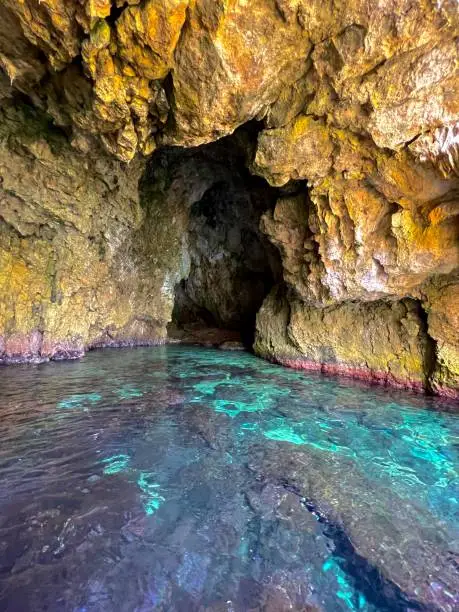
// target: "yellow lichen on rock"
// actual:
[[52, 26], [98, 8], [442, 305], [382, 223], [375, 341], [240, 56], [68, 273], [354, 114], [391, 73], [301, 150], [147, 35]]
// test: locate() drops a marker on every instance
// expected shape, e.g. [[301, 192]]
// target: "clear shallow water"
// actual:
[[192, 479]]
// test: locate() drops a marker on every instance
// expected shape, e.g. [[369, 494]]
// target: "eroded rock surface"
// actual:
[[92, 251], [121, 69], [357, 113], [232, 265], [377, 341], [68, 275]]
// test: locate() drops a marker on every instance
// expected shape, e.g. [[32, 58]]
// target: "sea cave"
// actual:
[[229, 306]]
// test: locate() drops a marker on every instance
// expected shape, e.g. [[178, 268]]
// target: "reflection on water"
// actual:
[[192, 479]]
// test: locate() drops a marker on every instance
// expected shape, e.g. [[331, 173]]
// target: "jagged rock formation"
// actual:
[[92, 251], [357, 107], [381, 341]]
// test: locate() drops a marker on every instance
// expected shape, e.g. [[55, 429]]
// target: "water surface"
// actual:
[[191, 479]]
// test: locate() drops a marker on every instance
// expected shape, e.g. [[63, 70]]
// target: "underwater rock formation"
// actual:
[[351, 112]]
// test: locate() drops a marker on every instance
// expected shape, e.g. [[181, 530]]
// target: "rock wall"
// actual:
[[92, 249], [357, 112], [189, 71], [353, 262], [385, 342], [70, 276]]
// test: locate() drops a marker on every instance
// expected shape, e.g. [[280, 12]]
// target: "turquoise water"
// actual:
[[177, 478]]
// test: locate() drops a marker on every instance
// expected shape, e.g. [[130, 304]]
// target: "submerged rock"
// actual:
[[232, 345], [366, 537]]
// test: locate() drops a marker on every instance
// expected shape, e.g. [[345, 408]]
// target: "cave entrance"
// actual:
[[232, 265]]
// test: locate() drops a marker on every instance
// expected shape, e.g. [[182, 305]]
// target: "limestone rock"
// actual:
[[240, 55], [92, 250], [386, 71], [442, 306], [352, 111], [303, 149], [68, 277], [147, 35], [380, 229], [230, 258], [384, 342]]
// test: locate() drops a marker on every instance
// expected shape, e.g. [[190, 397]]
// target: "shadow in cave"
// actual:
[[232, 266]]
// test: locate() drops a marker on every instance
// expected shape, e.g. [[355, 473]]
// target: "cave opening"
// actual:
[[227, 265], [232, 264]]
